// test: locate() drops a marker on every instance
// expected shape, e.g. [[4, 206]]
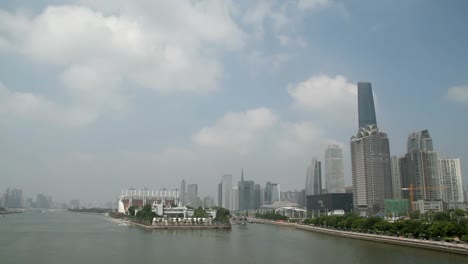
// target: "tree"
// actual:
[[199, 212], [222, 215], [131, 210]]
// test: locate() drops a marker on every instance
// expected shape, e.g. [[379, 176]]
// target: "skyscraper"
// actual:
[[257, 194], [220, 194], [227, 189], [314, 178], [396, 177], [421, 168], [366, 105], [370, 160], [246, 193], [451, 176], [183, 193], [192, 193], [334, 174]]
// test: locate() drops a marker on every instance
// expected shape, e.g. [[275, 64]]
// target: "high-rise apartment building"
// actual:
[[314, 178], [420, 167], [370, 158], [396, 177], [334, 173], [366, 107], [257, 195], [227, 189], [192, 193], [208, 202], [235, 198], [183, 193], [220, 194], [451, 178]]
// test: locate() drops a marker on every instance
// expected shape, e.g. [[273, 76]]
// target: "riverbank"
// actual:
[[11, 212], [184, 227], [426, 244], [270, 222], [122, 222]]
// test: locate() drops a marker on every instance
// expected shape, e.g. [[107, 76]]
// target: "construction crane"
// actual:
[[411, 189]]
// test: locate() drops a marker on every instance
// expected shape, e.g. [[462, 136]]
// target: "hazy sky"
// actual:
[[100, 95]]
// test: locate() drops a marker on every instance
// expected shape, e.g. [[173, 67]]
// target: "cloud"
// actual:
[[236, 130], [330, 97], [281, 16], [167, 46], [35, 107], [302, 139], [458, 94]]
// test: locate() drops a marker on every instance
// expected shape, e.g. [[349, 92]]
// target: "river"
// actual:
[[65, 237]]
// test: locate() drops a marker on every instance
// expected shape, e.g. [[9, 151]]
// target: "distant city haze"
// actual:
[[100, 96]]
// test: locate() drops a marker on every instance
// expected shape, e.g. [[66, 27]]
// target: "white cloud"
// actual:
[[301, 139], [161, 45], [458, 94], [282, 16], [332, 97], [36, 107], [236, 130]]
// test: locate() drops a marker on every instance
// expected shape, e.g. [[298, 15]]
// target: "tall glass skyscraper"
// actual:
[[314, 178], [370, 158], [366, 105]]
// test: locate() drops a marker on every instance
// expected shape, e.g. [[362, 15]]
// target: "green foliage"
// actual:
[[441, 216], [222, 215], [131, 210], [145, 215], [199, 212], [415, 214], [455, 226]]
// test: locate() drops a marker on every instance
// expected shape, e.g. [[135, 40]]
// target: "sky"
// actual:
[[100, 95]]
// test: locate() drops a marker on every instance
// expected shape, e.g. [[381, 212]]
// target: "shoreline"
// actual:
[[224, 227], [121, 222], [416, 243]]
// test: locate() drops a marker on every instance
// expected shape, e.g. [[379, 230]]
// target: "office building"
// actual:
[[370, 159], [334, 173], [314, 178], [370, 162], [329, 202], [246, 194], [366, 107], [451, 177]]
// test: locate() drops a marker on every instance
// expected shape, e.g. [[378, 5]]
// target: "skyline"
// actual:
[[140, 97]]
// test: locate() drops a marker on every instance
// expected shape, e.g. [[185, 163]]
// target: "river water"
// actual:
[[64, 237]]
